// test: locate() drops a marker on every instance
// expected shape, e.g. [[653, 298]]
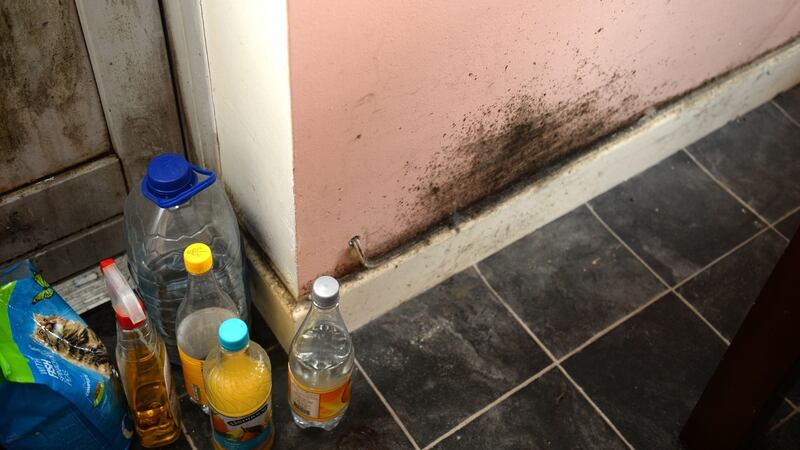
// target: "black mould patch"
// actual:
[[510, 141]]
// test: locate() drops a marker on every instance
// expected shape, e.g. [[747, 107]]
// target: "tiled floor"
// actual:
[[600, 330]]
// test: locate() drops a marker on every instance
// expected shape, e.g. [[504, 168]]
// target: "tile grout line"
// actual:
[[664, 282], [491, 405], [657, 296], [734, 195], [536, 339], [272, 347], [785, 113], [674, 289], [613, 326], [720, 258], [514, 314], [783, 421], [785, 216], [697, 312], [188, 438], [387, 406]]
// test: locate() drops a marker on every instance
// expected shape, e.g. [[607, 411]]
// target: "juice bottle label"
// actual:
[[244, 432], [318, 405], [193, 378]]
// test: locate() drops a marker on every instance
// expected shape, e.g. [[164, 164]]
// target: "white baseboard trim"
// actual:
[[446, 251]]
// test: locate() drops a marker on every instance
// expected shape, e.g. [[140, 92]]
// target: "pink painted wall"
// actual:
[[405, 111]]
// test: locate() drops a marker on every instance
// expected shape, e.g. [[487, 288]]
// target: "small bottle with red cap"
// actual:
[[143, 365]]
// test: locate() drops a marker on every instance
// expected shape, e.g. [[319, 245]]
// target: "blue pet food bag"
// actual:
[[58, 385]]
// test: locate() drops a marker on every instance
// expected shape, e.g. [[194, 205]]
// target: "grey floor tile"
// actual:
[[794, 393], [368, 425], [675, 217], [724, 292], [569, 280], [548, 413], [647, 374], [787, 437], [788, 226], [445, 354], [782, 411], [197, 424], [756, 156], [790, 102]]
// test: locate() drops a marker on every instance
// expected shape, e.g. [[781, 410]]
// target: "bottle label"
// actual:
[[243, 432], [193, 378], [318, 405]]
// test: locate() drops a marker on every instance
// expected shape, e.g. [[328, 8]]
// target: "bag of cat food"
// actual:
[[58, 386]]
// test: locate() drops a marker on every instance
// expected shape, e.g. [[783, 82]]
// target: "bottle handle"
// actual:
[[168, 202]]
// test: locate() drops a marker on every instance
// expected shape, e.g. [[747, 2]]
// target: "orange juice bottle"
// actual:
[[238, 380]]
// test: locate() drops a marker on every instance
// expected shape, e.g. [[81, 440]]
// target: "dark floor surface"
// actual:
[[599, 330]]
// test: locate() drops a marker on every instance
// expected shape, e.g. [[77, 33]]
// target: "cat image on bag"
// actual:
[[73, 341]]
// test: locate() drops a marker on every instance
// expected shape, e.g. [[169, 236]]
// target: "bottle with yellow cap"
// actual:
[[199, 316]]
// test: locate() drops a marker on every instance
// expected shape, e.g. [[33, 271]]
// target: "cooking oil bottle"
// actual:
[[143, 365], [200, 314], [238, 380], [321, 361]]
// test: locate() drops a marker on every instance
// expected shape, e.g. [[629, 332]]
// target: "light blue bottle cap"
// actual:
[[233, 335]]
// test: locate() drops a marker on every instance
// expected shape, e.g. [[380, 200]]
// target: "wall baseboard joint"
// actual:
[[446, 251]]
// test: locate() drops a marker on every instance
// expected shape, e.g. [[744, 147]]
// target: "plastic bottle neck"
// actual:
[[324, 308], [202, 283], [235, 353]]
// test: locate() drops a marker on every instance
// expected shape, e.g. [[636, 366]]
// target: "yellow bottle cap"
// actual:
[[197, 259]]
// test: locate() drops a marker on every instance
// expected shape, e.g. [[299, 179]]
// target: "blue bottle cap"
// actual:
[[169, 174], [171, 180], [233, 335]]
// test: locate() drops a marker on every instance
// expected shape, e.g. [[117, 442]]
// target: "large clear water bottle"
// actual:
[[178, 204]]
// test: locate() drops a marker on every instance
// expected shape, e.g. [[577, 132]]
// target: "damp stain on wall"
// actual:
[[504, 143]]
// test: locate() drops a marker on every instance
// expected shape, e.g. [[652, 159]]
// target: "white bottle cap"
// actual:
[[325, 292]]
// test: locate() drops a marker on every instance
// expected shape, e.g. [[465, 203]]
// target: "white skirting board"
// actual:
[[446, 251]]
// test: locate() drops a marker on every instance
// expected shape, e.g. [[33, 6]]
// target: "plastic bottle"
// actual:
[[238, 379], [143, 365], [199, 316], [205, 307], [175, 205], [321, 361]]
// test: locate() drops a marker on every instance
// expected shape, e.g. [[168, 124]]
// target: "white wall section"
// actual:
[[248, 59], [187, 43]]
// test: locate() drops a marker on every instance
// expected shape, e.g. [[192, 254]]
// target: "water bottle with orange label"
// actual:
[[238, 379], [321, 361], [200, 314]]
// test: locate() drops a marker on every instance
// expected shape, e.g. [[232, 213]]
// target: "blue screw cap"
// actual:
[[233, 335], [169, 174], [171, 180]]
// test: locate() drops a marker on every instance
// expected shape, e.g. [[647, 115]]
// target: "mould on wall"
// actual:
[[514, 139]]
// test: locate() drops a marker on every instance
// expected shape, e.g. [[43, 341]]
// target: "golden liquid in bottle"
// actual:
[[143, 375]]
